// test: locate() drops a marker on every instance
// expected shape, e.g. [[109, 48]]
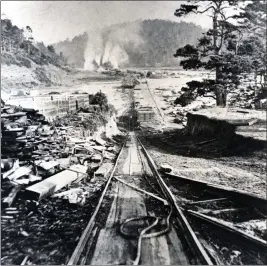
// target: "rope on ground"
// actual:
[[143, 233], [143, 191]]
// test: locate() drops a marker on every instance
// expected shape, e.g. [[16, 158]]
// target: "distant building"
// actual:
[[145, 114]]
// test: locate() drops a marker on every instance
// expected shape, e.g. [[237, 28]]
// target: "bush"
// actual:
[[185, 99], [41, 76], [51, 48], [25, 62], [185, 89], [101, 99]]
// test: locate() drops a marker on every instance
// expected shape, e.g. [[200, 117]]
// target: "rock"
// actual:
[[166, 168]]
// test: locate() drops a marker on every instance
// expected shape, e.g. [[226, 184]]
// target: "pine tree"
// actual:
[[253, 20], [212, 53]]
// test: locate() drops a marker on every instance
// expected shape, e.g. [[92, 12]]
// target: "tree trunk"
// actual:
[[255, 82], [221, 95], [220, 91], [255, 77]]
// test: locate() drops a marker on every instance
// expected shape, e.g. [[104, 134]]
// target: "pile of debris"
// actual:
[[58, 163], [47, 156], [18, 128], [244, 97], [179, 112]]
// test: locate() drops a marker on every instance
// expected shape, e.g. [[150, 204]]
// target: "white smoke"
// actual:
[[107, 46], [93, 51], [117, 56], [106, 54]]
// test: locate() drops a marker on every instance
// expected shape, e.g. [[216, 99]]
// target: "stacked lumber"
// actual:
[[36, 154]]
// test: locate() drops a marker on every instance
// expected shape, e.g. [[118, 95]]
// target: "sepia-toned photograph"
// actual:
[[133, 132]]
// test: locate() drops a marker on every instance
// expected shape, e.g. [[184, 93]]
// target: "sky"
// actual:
[[53, 21]]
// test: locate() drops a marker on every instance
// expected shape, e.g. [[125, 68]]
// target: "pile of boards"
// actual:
[[40, 158]]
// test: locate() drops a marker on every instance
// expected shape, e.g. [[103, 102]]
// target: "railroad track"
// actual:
[[149, 222], [143, 225], [232, 213]]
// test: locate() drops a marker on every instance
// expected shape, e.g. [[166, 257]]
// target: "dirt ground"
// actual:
[[239, 162]]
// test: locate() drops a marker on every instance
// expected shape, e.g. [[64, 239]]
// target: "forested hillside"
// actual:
[[154, 42], [73, 49], [19, 47], [26, 63], [161, 39]]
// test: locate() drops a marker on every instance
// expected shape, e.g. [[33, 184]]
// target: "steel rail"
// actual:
[[224, 191], [189, 235], [239, 233], [87, 231], [201, 254]]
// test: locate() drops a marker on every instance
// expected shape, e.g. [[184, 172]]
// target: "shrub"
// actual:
[[185, 99], [101, 99], [25, 62], [51, 48]]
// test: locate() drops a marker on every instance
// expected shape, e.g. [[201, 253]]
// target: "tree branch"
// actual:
[[201, 12], [209, 96]]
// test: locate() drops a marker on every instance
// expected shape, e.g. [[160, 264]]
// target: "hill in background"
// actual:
[[140, 43], [26, 63]]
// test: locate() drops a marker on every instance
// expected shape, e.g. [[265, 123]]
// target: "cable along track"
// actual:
[[136, 232]]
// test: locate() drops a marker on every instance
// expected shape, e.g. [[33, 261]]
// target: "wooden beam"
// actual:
[[207, 201], [215, 221], [7, 202], [225, 191], [103, 170], [216, 212], [56, 182]]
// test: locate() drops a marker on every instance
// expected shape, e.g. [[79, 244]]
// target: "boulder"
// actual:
[[165, 168]]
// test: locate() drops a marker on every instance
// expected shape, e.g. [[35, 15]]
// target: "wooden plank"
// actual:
[[130, 204], [175, 248], [89, 245], [113, 210], [21, 171], [86, 233], [7, 202], [207, 201], [55, 182], [216, 212], [18, 114], [163, 250], [103, 170], [46, 165], [112, 249]]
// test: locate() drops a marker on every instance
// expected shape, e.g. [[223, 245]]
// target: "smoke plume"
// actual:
[[108, 45]]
